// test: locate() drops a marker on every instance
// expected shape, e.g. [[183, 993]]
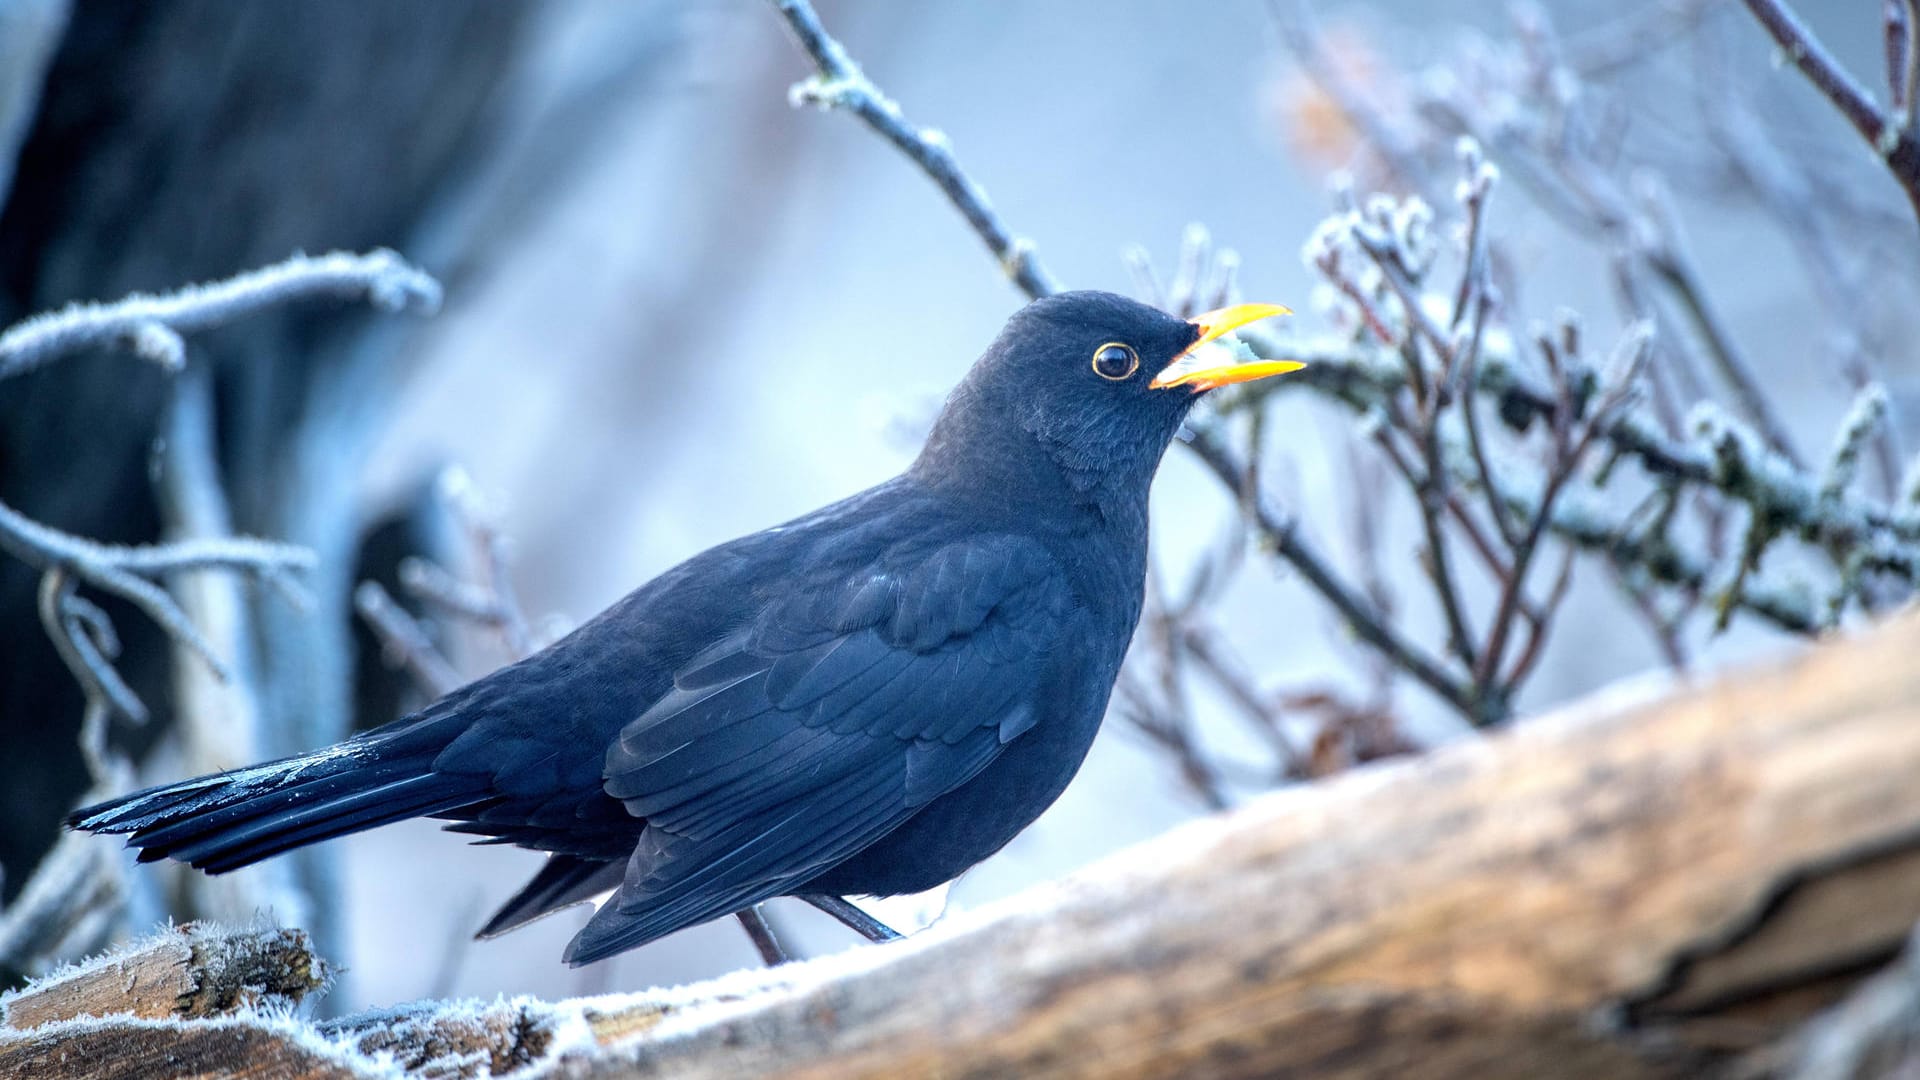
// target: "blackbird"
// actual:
[[867, 700]]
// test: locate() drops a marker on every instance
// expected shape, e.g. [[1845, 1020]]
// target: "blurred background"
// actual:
[[679, 309]]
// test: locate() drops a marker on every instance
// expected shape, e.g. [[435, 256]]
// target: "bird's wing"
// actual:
[[823, 725]]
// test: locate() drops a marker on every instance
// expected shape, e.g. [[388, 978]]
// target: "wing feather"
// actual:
[[826, 723]]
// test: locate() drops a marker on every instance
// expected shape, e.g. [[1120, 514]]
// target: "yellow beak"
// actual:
[[1207, 369]]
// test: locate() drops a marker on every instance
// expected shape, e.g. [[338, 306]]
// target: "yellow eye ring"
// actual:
[[1115, 361]]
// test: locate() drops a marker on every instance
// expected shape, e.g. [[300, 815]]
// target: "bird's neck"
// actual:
[[1030, 473]]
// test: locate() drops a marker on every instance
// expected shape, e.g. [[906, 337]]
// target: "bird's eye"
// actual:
[[1115, 361]]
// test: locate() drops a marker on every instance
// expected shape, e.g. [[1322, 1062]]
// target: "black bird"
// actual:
[[866, 700]]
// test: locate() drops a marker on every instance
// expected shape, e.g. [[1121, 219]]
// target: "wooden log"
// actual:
[[162, 991], [183, 972], [1660, 881]]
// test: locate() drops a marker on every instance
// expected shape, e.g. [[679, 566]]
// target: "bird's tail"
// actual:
[[233, 819]]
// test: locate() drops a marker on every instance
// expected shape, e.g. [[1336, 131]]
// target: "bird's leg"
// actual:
[[854, 918], [755, 921]]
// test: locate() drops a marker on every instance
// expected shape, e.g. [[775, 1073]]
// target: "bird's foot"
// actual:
[[755, 923], [853, 917]]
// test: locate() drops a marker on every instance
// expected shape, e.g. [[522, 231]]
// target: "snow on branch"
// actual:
[[840, 84], [153, 327]]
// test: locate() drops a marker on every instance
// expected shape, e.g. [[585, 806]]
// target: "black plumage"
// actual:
[[867, 700]]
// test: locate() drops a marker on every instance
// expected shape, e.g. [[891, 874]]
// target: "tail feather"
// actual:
[[176, 824], [233, 819], [107, 816], [262, 837], [564, 881]]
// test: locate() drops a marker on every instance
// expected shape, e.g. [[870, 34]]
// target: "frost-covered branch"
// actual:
[[136, 574], [1889, 133], [840, 84], [153, 327], [1282, 532], [1723, 463]]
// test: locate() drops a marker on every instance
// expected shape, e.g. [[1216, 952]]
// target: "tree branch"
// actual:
[[134, 574], [1893, 142], [153, 326], [840, 84], [1280, 531]]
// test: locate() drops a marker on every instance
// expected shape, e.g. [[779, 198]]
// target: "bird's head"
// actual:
[[1092, 383]]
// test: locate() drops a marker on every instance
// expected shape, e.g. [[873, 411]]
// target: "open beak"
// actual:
[[1206, 366]]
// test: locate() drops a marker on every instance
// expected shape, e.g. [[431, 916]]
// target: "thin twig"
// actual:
[[1430, 498], [1473, 191], [1210, 655], [840, 84], [1894, 143], [1666, 630], [1281, 533], [86, 643], [1674, 268], [1540, 627], [1470, 415], [1513, 590], [133, 574], [1165, 719], [403, 640], [1902, 29]]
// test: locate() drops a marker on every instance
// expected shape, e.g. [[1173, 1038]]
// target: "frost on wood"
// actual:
[[183, 972], [203, 1001], [1660, 881]]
